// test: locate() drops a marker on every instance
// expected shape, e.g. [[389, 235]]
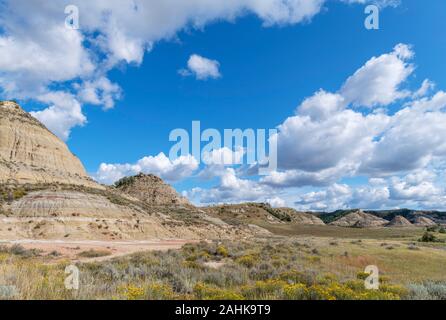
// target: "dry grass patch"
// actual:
[[275, 268]]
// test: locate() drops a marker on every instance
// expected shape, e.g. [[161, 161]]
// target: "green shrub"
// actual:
[[294, 277], [428, 237], [362, 275], [429, 290], [94, 253], [193, 265], [20, 251], [126, 181], [248, 260]]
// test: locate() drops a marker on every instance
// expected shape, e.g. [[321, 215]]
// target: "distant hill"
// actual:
[[438, 217], [329, 217], [359, 219], [151, 190], [399, 221], [408, 214]]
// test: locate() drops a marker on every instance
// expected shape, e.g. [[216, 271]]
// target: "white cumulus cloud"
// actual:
[[378, 82], [202, 68], [64, 112], [231, 189], [99, 91], [159, 165], [37, 51]]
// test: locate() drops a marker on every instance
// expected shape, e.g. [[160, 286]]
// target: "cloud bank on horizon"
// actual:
[[331, 136]]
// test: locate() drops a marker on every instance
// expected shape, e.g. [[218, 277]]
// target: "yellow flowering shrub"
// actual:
[[384, 279], [326, 279], [268, 289], [317, 292], [153, 291], [158, 291], [296, 291], [314, 259], [248, 260], [394, 289], [355, 285], [206, 292], [222, 251], [131, 292]]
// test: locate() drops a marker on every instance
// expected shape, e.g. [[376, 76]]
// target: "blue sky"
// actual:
[[267, 72], [268, 64]]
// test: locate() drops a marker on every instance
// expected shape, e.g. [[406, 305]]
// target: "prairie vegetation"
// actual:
[[272, 268]]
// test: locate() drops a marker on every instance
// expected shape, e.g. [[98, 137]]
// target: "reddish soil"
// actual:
[[71, 249]]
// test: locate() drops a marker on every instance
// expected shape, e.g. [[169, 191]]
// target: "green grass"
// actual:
[[396, 259], [340, 232]]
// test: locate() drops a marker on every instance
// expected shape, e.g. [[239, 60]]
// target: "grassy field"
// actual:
[[304, 267], [340, 232]]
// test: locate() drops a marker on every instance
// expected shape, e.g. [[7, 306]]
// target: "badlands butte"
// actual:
[[46, 194]]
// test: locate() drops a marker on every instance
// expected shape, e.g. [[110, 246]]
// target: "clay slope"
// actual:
[[45, 193], [399, 221], [151, 190], [424, 221], [92, 214], [31, 154], [359, 219]]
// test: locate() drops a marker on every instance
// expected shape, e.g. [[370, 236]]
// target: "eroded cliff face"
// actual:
[[98, 215], [45, 193], [31, 154]]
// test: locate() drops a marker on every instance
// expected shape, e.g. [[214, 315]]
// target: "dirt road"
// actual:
[[67, 249]]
